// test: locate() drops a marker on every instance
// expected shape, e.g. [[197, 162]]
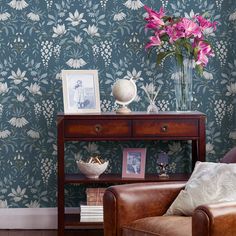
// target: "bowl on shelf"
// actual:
[[92, 170]]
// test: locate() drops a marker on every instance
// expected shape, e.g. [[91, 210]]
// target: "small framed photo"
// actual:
[[134, 160], [80, 91]]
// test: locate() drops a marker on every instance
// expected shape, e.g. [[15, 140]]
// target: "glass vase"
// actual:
[[183, 85], [152, 108]]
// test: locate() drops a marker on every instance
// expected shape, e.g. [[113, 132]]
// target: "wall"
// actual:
[[39, 38]]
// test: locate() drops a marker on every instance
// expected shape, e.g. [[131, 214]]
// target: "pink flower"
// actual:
[[206, 24], [204, 51], [186, 35], [155, 18], [154, 40], [189, 28], [173, 33]]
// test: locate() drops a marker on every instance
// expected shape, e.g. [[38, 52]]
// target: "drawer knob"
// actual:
[[98, 128], [164, 128]]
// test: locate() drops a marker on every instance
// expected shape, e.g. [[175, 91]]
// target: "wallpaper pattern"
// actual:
[[39, 38]]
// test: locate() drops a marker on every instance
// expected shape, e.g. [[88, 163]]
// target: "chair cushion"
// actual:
[[209, 183], [161, 226]]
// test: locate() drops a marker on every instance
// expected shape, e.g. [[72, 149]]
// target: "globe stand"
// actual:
[[123, 110]]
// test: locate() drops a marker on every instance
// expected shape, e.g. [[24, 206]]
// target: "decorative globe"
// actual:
[[124, 91]]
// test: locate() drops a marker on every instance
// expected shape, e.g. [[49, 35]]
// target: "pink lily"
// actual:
[[205, 47], [205, 24], [204, 51], [154, 41], [202, 59], [155, 18], [173, 33], [189, 28]]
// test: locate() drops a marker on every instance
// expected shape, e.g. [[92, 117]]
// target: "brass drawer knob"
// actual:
[[98, 128], [164, 128]]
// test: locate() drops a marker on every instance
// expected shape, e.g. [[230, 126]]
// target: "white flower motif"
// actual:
[[33, 204], [76, 63], [208, 75], [58, 76], [18, 122], [133, 4], [231, 89], [20, 98], [232, 16], [78, 39], [134, 75], [3, 88], [137, 98], [59, 30], [191, 15], [3, 204], [54, 149], [4, 16], [18, 76], [150, 88], [76, 18], [18, 4], [232, 134], [92, 30], [119, 16], [210, 148], [4, 133], [33, 16], [34, 89], [174, 148], [18, 194], [92, 148], [33, 134]]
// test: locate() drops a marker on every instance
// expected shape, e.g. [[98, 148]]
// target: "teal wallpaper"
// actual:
[[39, 38]]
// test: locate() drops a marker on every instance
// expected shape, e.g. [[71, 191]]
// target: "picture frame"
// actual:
[[134, 160], [80, 91]]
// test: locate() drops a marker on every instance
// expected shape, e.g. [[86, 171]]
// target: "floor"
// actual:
[[49, 233]]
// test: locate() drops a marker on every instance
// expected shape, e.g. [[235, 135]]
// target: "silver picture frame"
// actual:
[[80, 91]]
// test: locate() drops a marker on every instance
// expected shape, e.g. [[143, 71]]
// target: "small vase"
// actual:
[[183, 85], [152, 108]]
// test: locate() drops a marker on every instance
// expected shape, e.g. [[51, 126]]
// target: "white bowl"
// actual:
[[92, 170]]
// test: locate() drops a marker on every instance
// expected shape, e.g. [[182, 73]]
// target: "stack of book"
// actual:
[[91, 213], [92, 210]]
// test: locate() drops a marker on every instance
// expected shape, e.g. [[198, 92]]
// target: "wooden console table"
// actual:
[[113, 127]]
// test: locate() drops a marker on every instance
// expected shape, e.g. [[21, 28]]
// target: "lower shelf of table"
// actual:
[[116, 178], [72, 221]]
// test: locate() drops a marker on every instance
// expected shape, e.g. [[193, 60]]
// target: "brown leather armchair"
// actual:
[[137, 210]]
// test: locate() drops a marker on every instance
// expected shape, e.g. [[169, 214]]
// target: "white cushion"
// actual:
[[209, 183]]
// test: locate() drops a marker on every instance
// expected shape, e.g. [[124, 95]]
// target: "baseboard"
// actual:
[[30, 218]]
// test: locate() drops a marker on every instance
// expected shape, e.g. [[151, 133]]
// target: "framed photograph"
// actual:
[[80, 91], [134, 160]]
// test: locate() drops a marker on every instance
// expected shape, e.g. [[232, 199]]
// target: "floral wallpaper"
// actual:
[[39, 38]]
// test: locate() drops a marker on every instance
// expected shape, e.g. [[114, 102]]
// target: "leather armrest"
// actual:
[[215, 219], [126, 203]]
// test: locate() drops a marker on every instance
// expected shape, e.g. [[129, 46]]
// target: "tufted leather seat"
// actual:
[[137, 209]]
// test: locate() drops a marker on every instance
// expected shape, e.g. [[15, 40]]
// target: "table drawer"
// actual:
[[97, 128], [170, 128]]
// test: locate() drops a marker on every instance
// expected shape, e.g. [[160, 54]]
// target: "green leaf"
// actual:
[[188, 47], [199, 69], [179, 58], [162, 55], [164, 37]]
